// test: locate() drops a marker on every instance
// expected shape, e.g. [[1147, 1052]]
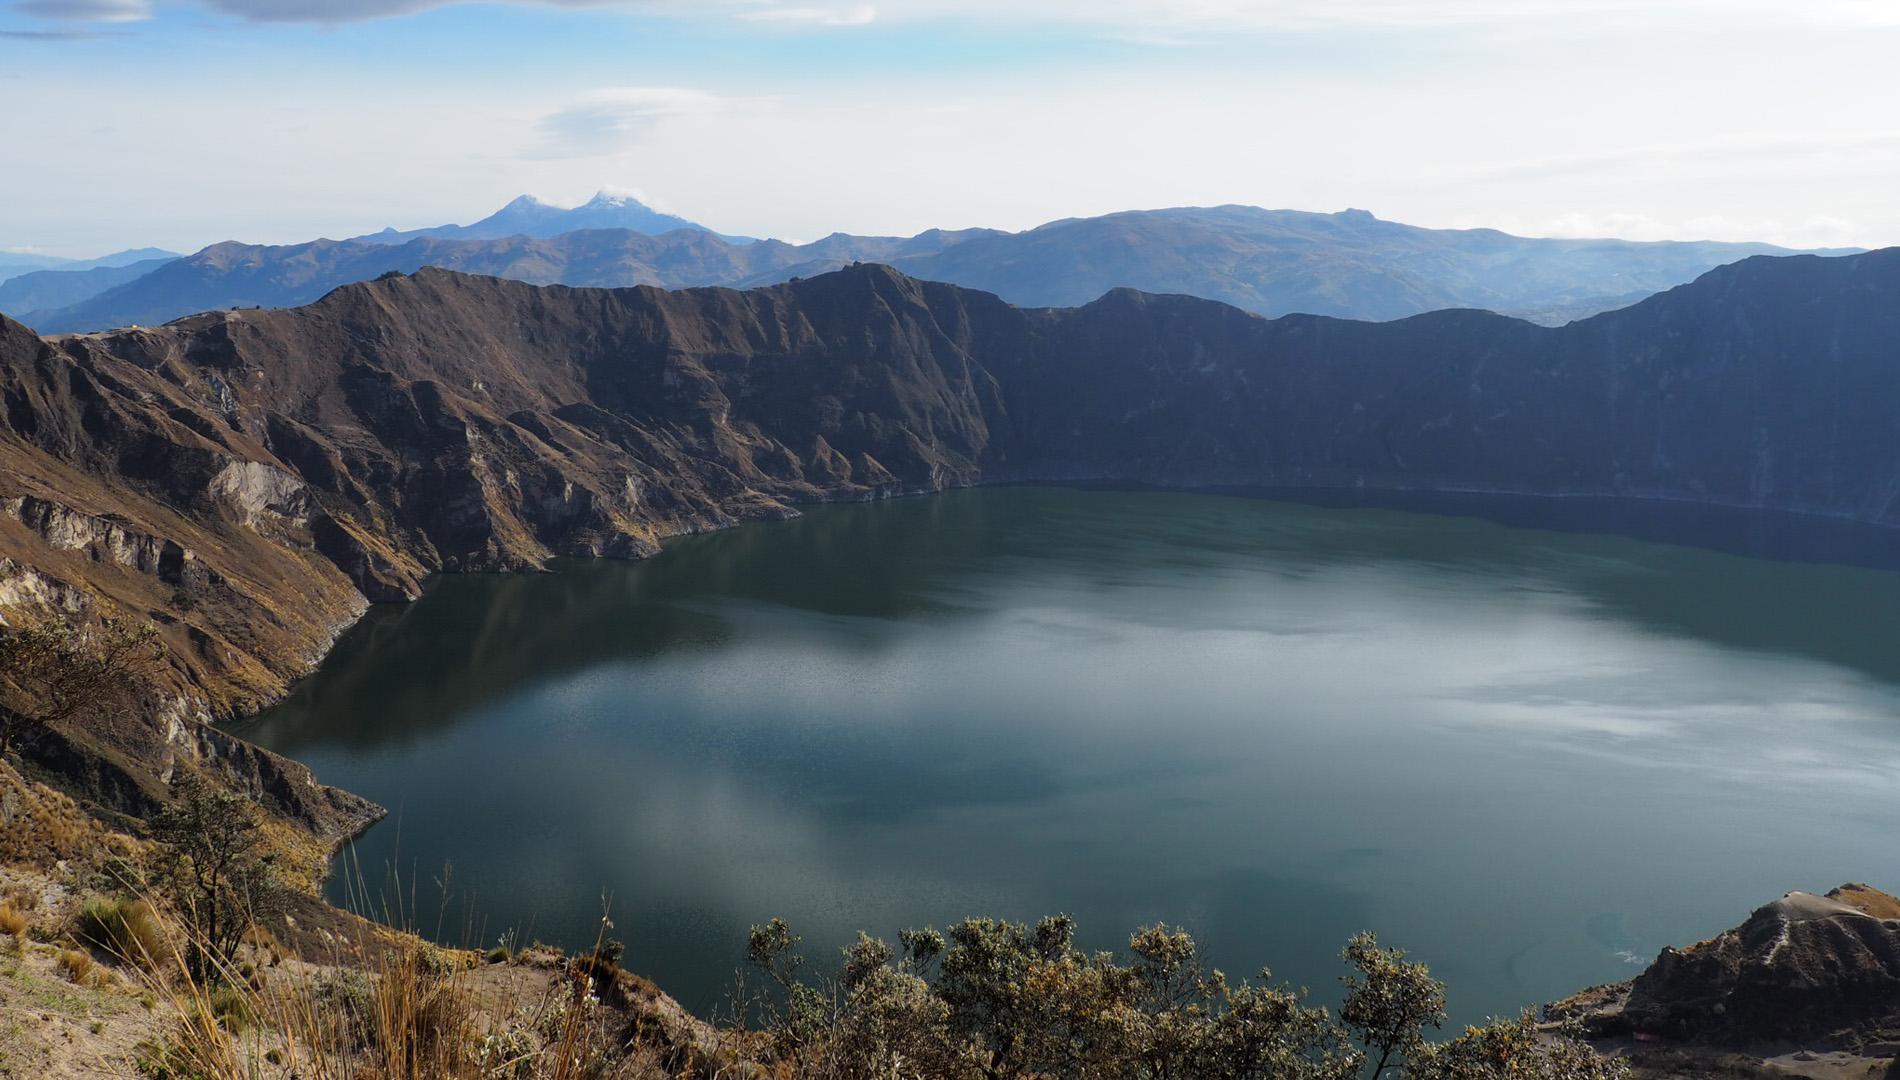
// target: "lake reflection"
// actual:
[[1531, 757]]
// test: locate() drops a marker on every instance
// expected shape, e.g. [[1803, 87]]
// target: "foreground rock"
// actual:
[[1808, 985]]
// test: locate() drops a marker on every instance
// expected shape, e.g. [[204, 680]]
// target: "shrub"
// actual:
[[127, 929]]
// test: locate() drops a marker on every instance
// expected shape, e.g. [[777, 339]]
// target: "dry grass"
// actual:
[[127, 929], [411, 1012], [77, 967], [13, 922]]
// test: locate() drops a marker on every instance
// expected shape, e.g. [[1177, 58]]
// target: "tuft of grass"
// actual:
[[127, 929], [76, 965], [232, 1007], [13, 922]]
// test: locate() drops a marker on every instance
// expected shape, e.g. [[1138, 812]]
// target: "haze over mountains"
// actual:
[[1271, 262], [15, 263]]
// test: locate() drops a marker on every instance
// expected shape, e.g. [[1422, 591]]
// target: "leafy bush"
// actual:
[[995, 1000]]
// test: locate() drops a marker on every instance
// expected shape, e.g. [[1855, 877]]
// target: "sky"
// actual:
[[179, 123]]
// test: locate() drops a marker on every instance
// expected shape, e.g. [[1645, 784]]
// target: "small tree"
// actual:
[[1009, 1001], [52, 671], [1512, 1050], [1390, 1002], [214, 871]]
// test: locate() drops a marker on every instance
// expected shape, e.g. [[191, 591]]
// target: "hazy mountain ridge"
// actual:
[[43, 290], [1271, 262], [13, 264]]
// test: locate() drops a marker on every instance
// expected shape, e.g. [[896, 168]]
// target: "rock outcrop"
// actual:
[[1815, 973], [1805, 967]]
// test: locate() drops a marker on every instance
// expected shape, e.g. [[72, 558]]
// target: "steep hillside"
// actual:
[[1271, 262]]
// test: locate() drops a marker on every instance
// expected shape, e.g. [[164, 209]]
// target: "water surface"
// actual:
[[1533, 758]]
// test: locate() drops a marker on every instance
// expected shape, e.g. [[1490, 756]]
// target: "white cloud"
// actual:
[[615, 117]]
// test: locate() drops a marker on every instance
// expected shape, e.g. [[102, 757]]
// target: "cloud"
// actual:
[[1778, 147], [53, 35], [81, 11], [1159, 20], [612, 118], [341, 11], [861, 15]]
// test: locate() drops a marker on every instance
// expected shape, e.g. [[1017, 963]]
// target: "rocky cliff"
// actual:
[[1804, 985], [252, 479]]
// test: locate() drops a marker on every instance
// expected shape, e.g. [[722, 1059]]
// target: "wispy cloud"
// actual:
[[1148, 20], [1777, 144], [55, 35], [85, 11], [342, 11], [859, 15], [613, 118]]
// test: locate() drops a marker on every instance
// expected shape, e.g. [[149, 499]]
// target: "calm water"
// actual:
[[1531, 757]]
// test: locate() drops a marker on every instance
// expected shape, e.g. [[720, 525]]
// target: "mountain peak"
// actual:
[[606, 198], [524, 202]]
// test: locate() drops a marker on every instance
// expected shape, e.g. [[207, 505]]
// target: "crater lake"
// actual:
[[1531, 757]]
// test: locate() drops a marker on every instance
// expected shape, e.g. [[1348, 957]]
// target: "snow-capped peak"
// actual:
[[607, 197]]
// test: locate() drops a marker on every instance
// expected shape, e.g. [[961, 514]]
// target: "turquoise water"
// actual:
[[1534, 758]]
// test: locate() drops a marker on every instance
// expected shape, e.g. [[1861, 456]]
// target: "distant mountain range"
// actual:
[[529, 216], [45, 290], [1271, 262], [14, 263]]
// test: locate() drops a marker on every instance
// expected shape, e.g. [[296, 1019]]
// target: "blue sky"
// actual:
[[183, 122]]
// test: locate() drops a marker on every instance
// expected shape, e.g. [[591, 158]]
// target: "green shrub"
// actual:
[[231, 1006]]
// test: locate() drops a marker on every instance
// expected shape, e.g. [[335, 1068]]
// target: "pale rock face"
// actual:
[[22, 588], [67, 529], [262, 492]]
